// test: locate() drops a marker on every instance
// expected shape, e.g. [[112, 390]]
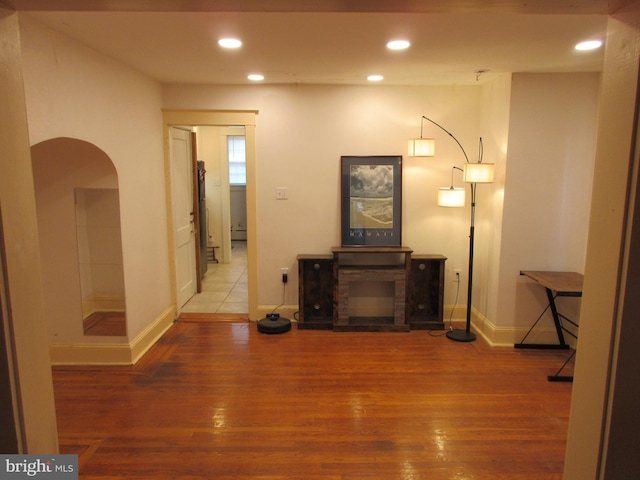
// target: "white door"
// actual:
[[183, 214]]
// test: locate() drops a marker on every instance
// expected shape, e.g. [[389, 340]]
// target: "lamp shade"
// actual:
[[451, 197], [422, 147], [478, 173]]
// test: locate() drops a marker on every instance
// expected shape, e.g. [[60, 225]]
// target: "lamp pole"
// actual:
[[467, 335], [446, 131]]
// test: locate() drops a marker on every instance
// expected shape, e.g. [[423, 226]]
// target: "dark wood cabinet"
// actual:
[[425, 296], [323, 287], [315, 285]]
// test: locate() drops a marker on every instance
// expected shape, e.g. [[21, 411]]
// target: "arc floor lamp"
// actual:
[[473, 173]]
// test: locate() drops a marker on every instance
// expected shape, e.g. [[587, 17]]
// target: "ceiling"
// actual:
[[291, 42]]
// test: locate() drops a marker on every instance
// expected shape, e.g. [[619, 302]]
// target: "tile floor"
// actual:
[[224, 286]]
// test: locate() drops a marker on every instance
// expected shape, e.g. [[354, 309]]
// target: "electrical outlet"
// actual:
[[282, 193], [457, 273], [285, 274]]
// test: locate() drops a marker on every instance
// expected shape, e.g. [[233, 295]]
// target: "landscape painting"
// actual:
[[371, 200]]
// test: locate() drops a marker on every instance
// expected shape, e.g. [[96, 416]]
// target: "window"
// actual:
[[237, 160]]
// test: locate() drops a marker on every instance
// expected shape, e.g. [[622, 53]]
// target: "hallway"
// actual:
[[224, 286]]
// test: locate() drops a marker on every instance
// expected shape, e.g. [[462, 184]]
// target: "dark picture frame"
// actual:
[[371, 200]]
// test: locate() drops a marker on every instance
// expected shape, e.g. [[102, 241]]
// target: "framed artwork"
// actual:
[[371, 200]]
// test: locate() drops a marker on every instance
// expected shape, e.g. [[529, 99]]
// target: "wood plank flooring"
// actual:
[[223, 401], [106, 323]]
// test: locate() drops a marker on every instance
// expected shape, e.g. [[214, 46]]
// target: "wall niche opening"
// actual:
[[78, 211]]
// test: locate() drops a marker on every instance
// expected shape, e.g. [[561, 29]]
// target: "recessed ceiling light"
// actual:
[[375, 78], [589, 45], [398, 44], [255, 77], [229, 43]]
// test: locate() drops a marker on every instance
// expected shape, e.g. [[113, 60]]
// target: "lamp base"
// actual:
[[461, 336]]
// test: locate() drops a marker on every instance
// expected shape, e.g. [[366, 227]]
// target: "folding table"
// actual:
[[556, 284]]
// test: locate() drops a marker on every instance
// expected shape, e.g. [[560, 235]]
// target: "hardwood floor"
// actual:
[[106, 323], [223, 401]]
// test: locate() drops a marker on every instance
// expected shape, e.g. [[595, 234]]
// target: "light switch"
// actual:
[[282, 193]]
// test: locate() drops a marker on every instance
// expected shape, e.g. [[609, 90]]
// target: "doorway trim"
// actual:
[[246, 118]]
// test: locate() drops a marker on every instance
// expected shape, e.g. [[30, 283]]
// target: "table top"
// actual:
[[562, 282]]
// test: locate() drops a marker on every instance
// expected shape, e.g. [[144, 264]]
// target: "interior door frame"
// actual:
[[220, 118]]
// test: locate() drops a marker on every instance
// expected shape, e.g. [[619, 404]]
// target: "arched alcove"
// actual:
[[77, 204]]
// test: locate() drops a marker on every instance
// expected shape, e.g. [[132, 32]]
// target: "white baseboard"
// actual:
[[113, 354], [102, 303], [499, 336], [494, 335], [150, 335], [508, 336], [90, 354]]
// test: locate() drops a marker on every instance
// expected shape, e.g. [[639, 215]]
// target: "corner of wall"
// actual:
[[113, 354], [498, 336]]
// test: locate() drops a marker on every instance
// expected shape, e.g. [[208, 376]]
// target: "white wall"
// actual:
[[496, 102], [99, 249], [547, 194], [73, 91], [301, 133], [303, 130], [238, 216]]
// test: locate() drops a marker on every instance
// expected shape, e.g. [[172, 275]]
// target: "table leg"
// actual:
[[562, 378], [562, 345], [556, 317]]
